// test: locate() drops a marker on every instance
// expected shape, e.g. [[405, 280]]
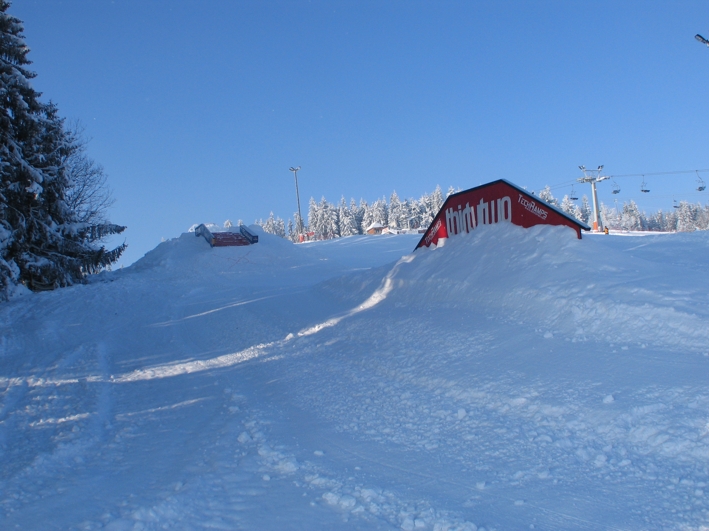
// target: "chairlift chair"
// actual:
[[572, 195], [701, 185], [616, 188], [643, 186], [674, 203]]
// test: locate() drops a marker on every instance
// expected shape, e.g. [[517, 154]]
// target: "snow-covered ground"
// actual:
[[512, 379]]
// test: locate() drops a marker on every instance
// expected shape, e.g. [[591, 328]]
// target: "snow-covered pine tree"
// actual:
[[703, 218], [380, 212], [313, 215], [299, 226], [437, 200], [412, 214], [358, 212], [656, 222], [348, 224], [686, 217], [274, 225], [547, 196], [567, 205], [327, 221], [585, 210], [280, 228], [428, 209], [367, 215], [43, 243], [630, 218], [395, 212]]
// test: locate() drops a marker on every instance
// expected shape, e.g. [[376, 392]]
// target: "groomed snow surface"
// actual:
[[511, 379]]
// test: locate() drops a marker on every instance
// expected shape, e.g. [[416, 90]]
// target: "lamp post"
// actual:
[[297, 196], [588, 177]]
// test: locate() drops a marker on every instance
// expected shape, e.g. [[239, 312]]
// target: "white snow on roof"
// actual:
[[375, 225]]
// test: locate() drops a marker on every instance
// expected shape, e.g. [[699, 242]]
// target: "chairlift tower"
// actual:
[[593, 177], [297, 196]]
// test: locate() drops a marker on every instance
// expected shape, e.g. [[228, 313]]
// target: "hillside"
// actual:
[[512, 379]]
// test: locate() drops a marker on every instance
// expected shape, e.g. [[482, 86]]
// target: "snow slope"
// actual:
[[512, 379]]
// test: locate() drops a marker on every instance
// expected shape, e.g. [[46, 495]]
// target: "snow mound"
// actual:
[[545, 277]]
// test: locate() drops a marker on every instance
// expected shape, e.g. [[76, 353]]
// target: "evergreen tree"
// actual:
[[567, 205], [686, 217], [367, 215], [703, 218], [547, 196], [609, 217], [437, 200], [585, 210], [656, 222], [428, 210], [313, 214], [299, 227], [328, 226], [44, 244], [358, 212], [631, 219], [380, 212], [396, 216], [274, 225], [348, 223]]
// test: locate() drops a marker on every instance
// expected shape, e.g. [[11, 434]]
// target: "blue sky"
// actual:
[[197, 109]]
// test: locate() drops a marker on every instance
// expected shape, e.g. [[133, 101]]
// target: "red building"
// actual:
[[491, 203]]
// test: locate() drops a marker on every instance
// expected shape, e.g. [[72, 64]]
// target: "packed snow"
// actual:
[[510, 379]]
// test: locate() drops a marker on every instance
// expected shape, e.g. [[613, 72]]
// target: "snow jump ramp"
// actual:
[[227, 238], [495, 202]]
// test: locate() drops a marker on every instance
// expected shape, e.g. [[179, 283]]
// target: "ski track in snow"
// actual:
[[512, 379]]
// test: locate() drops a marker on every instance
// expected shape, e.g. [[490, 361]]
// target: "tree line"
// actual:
[[327, 220], [53, 197], [684, 217]]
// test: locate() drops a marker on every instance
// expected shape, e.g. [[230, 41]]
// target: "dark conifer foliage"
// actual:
[[43, 244]]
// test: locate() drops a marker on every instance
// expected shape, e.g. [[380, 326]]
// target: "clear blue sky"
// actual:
[[198, 109]]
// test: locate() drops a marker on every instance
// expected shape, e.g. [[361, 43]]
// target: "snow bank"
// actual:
[[590, 288]]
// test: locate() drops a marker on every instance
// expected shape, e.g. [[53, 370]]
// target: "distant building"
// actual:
[[375, 228]]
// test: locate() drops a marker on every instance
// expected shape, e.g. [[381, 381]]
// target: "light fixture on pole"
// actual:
[[589, 177], [297, 196]]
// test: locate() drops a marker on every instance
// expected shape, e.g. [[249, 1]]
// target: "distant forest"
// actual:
[[327, 220]]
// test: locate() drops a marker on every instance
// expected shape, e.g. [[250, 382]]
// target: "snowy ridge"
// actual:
[[578, 288], [511, 378]]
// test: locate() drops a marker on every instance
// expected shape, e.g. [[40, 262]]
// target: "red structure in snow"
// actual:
[[226, 239], [495, 202]]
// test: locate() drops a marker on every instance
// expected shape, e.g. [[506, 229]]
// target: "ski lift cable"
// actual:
[[566, 184], [656, 173]]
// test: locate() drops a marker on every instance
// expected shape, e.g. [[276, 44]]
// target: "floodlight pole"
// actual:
[[297, 196], [588, 177]]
